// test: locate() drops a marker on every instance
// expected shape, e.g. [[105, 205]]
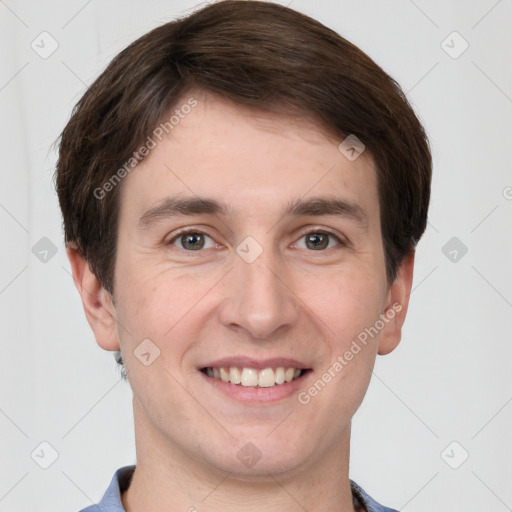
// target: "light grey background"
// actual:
[[449, 380]]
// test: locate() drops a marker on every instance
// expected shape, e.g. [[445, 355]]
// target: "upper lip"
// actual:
[[260, 364]]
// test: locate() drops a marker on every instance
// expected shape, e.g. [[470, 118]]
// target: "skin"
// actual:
[[197, 306]]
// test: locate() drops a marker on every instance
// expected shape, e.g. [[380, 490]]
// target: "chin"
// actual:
[[258, 457], [264, 469]]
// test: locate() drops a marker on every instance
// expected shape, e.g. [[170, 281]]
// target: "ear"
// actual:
[[98, 303], [397, 302]]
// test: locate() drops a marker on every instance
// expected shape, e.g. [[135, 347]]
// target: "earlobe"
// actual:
[[397, 304], [97, 302]]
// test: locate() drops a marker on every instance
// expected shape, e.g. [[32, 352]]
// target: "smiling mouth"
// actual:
[[253, 377]]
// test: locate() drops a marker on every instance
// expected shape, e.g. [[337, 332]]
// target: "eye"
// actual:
[[320, 240], [192, 240]]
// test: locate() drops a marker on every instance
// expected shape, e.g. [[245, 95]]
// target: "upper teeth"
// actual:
[[265, 378]]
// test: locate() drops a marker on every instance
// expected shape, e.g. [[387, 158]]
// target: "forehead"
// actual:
[[256, 163]]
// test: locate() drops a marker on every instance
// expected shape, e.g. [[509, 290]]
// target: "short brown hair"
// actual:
[[258, 54]]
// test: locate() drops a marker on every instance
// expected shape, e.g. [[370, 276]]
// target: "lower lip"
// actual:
[[257, 395]]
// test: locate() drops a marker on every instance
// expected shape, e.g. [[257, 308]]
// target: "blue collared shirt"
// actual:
[[111, 501]]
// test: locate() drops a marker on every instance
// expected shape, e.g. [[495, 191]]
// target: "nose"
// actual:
[[259, 299]]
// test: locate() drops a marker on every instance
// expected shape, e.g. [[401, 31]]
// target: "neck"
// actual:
[[168, 478]]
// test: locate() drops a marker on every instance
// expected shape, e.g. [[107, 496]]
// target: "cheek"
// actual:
[[157, 302], [350, 304], [354, 348], [350, 310]]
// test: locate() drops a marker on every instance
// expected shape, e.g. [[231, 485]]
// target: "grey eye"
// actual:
[[317, 240], [192, 241]]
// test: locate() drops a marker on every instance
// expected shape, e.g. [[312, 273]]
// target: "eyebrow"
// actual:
[[315, 206]]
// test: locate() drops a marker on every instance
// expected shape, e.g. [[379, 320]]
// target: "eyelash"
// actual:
[[188, 231]]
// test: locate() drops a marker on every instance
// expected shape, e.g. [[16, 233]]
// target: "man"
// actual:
[[242, 193]]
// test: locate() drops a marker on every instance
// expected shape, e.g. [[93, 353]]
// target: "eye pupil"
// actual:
[[189, 241], [318, 240]]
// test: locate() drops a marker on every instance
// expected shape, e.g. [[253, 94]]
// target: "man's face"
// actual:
[[248, 289]]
